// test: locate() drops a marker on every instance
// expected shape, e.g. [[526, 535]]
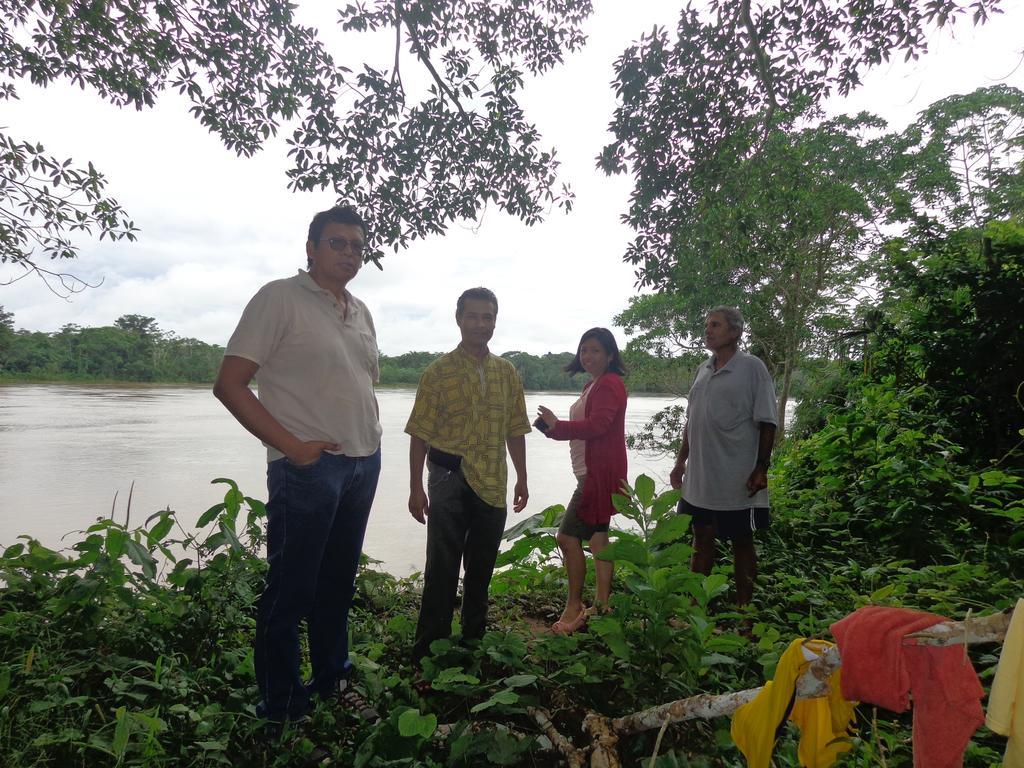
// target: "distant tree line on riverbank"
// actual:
[[136, 349]]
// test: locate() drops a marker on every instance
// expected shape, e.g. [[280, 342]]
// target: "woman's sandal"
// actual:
[[568, 627]]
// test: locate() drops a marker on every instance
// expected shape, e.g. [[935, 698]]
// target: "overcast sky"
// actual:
[[215, 227]]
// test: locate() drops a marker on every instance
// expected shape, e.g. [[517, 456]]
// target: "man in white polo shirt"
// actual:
[[312, 349], [722, 466]]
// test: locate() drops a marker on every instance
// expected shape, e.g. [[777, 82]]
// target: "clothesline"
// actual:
[[814, 682], [604, 733]]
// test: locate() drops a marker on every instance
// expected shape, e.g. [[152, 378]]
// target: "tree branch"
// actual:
[[760, 59], [574, 758], [395, 73], [421, 52]]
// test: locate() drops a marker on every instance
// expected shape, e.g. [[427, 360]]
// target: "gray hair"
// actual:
[[732, 316]]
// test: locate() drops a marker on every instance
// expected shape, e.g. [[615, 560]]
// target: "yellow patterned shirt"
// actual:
[[469, 408]]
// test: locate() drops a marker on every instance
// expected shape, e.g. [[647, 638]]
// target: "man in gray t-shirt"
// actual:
[[722, 466]]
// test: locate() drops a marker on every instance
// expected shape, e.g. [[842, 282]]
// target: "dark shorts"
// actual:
[[571, 523], [731, 524]]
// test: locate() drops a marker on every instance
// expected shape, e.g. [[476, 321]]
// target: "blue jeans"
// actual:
[[316, 518]]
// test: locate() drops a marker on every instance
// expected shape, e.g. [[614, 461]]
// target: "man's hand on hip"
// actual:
[[520, 496], [675, 477], [757, 481], [306, 453], [419, 506]]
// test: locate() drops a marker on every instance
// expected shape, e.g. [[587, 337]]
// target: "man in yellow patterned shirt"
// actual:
[[469, 408]]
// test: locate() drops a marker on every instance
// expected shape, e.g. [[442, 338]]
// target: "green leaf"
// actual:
[[122, 730], [539, 520], [5, 680], [401, 625], [115, 542], [610, 630], [723, 738], [225, 481], [518, 552], [881, 594], [665, 502], [232, 539], [233, 500], [995, 478], [209, 515], [13, 551], [453, 677], [628, 549], [716, 658], [518, 681], [624, 506], [644, 489], [670, 529], [142, 557], [412, 723], [505, 697], [258, 507], [161, 529]]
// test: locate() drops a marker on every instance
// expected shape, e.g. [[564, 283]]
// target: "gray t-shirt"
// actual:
[[723, 410], [317, 365]]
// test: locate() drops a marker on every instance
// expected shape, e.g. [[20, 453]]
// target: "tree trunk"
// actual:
[[787, 381]]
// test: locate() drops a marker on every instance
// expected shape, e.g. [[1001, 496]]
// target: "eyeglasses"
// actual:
[[340, 244]]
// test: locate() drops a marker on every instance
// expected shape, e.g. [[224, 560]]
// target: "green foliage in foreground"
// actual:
[[133, 647]]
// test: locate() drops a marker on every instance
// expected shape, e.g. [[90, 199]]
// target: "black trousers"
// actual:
[[462, 531]]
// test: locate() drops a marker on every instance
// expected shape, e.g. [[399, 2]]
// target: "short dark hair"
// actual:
[[480, 294], [605, 338], [340, 214]]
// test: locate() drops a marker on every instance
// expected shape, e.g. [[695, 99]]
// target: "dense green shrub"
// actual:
[[951, 319]]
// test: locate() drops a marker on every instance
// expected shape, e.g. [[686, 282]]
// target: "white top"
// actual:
[[317, 364], [723, 412], [578, 448]]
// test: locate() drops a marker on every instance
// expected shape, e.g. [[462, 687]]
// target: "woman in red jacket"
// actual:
[[596, 431]]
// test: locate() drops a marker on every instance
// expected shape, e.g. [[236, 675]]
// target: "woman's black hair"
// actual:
[[607, 341]]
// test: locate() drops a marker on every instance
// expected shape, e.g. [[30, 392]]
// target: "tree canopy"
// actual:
[[412, 161], [729, 75]]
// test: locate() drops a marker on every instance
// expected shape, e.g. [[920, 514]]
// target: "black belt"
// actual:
[[449, 461]]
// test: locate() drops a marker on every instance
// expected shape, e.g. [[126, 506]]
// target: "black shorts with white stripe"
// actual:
[[730, 524]]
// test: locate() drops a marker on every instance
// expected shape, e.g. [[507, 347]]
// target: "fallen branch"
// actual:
[[603, 741], [986, 629], [703, 706], [574, 758]]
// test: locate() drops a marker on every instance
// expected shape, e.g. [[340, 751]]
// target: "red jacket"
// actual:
[[603, 427]]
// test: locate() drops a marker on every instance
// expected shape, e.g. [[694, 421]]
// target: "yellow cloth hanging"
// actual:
[[1006, 699], [823, 722]]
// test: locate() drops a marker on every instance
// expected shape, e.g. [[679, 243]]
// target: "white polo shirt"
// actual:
[[723, 410], [317, 365]]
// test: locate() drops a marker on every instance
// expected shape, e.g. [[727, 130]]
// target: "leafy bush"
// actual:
[[134, 648], [952, 320]]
